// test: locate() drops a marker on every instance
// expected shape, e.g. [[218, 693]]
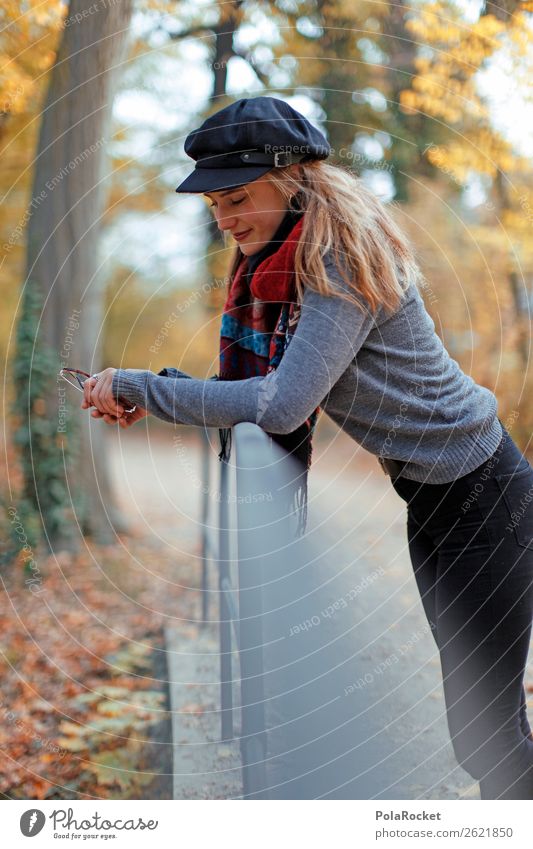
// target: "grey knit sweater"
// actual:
[[387, 380]]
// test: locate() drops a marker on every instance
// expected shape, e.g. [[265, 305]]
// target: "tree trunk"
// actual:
[[62, 256]]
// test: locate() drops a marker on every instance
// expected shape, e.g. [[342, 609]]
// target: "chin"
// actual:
[[250, 248]]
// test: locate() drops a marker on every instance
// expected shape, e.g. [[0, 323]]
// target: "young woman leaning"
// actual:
[[324, 311]]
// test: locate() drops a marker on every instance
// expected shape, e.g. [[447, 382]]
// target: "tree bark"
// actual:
[[68, 201]]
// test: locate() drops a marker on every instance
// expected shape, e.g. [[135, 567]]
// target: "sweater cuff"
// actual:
[[130, 385]]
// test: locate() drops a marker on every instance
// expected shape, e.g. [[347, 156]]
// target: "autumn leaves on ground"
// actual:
[[83, 710]]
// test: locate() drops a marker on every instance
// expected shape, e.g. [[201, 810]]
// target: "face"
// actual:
[[251, 213]]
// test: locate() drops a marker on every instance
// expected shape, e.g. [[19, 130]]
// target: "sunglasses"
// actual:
[[77, 378]]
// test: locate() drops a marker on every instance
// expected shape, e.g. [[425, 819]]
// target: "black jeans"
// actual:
[[471, 546]]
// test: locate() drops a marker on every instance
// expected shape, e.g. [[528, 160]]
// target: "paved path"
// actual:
[[355, 695]]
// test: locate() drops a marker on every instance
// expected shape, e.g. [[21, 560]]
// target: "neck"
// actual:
[[287, 223]]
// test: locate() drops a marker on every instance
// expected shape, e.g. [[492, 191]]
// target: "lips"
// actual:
[[239, 236]]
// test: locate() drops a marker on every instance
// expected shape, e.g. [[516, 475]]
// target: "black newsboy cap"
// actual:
[[246, 139]]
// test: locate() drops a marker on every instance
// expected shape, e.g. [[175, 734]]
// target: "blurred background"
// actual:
[[102, 264]]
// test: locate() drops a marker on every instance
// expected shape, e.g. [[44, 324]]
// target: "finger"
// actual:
[[108, 419], [128, 419], [115, 407], [106, 401], [100, 399], [95, 402], [97, 396], [87, 388]]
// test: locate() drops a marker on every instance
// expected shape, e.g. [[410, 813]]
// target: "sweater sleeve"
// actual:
[[172, 372], [329, 334]]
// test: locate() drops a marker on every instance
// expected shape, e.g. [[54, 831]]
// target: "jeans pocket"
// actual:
[[517, 490]]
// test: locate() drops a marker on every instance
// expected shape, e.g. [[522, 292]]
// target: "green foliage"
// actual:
[[18, 530], [45, 503]]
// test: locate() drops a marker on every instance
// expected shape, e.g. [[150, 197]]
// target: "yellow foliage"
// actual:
[[28, 43], [37, 26], [446, 88], [445, 85], [482, 153]]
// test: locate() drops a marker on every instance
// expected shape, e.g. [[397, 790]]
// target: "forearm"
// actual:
[[329, 334], [204, 403]]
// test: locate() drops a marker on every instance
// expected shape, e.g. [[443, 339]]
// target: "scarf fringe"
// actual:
[[300, 505], [225, 443]]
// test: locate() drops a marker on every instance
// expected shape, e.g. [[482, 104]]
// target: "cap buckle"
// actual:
[[286, 161]]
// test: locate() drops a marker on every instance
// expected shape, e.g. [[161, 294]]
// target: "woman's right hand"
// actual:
[[125, 420]]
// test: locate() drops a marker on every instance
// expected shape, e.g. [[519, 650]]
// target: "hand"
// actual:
[[125, 420], [97, 393]]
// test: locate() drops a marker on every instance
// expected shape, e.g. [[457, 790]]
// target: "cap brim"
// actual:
[[215, 179]]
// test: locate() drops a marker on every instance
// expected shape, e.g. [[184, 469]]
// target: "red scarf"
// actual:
[[260, 316]]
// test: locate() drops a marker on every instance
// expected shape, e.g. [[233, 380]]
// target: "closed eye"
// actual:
[[232, 202]]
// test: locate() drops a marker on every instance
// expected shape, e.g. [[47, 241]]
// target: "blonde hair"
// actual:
[[343, 216]]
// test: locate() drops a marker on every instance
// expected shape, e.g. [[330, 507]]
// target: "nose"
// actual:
[[225, 222]]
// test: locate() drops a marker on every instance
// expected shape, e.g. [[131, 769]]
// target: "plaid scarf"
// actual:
[[260, 317]]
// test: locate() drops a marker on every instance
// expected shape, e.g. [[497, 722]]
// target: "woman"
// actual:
[[324, 310]]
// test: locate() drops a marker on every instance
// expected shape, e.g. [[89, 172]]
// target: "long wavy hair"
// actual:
[[343, 216]]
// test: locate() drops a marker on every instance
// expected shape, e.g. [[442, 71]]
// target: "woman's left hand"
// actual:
[[97, 393]]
